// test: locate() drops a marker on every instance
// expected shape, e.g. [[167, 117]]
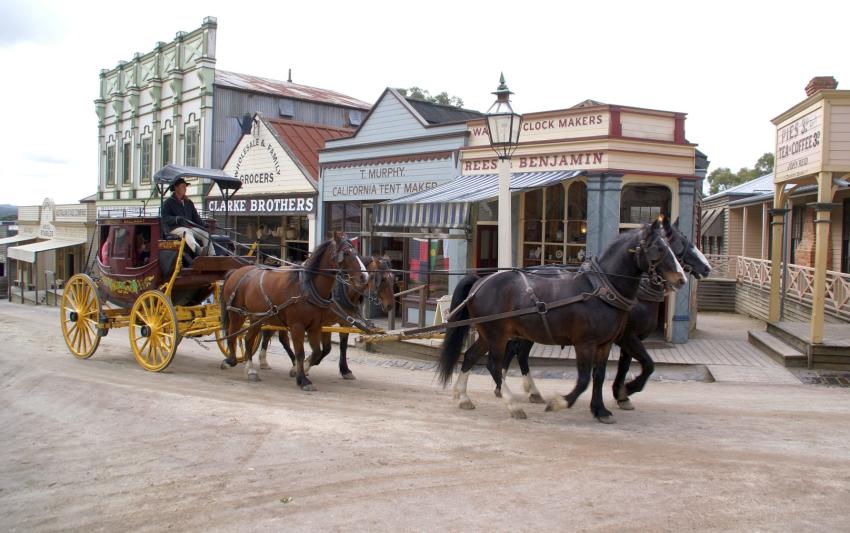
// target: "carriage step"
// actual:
[[778, 350]]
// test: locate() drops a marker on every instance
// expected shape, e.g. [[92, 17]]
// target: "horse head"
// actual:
[[344, 256], [382, 281], [655, 257], [692, 260]]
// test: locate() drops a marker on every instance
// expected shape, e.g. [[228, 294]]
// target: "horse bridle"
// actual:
[[373, 294], [652, 256]]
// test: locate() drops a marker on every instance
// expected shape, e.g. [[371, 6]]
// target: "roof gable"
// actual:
[[266, 165]]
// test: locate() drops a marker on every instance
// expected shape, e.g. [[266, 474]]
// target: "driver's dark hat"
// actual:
[[177, 182]]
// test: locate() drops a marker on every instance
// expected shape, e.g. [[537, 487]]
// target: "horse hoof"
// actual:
[[518, 414], [265, 366], [292, 372], [254, 378], [556, 404], [348, 375], [625, 405], [607, 419], [498, 393], [466, 404], [308, 388], [535, 398]]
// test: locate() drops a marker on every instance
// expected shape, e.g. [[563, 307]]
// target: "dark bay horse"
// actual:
[[296, 298], [348, 296], [600, 297], [642, 321]]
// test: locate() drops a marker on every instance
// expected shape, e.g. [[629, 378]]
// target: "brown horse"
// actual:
[[591, 315], [296, 298], [348, 296]]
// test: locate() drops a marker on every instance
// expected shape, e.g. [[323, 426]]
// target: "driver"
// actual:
[[181, 218]]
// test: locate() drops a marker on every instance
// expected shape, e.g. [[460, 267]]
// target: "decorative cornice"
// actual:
[[409, 158]]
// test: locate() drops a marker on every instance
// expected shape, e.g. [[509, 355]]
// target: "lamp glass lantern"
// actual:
[[503, 123]]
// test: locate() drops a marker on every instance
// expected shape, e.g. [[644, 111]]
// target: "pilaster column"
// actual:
[[682, 313], [603, 211], [823, 207]]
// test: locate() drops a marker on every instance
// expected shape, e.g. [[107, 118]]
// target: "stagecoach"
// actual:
[[148, 281]]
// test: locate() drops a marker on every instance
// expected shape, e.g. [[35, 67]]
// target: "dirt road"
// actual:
[[103, 445]]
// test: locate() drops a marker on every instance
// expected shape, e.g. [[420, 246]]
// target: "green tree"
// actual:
[[418, 93], [765, 164], [723, 178]]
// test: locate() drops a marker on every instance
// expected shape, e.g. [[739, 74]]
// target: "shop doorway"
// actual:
[[486, 246]]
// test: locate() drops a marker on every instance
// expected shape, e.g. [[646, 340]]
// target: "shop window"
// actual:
[[427, 263], [126, 170], [555, 225], [345, 217], [110, 164], [488, 211], [641, 204], [166, 149], [146, 164], [191, 158]]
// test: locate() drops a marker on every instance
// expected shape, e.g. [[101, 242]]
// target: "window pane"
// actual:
[[192, 146], [126, 172], [110, 165], [533, 214], [643, 203], [166, 149], [145, 173], [352, 219]]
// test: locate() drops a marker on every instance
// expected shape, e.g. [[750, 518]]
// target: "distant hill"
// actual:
[[7, 209]]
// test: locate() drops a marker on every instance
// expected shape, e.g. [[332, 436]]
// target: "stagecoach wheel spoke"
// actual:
[[80, 301], [153, 331]]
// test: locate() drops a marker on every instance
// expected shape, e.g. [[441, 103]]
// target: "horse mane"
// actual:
[[313, 264]]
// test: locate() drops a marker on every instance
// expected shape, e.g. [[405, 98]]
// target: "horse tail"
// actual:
[[453, 342]]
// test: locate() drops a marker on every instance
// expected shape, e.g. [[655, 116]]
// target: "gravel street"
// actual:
[[102, 445]]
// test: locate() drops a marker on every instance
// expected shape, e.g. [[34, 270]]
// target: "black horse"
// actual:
[[588, 311], [642, 321]]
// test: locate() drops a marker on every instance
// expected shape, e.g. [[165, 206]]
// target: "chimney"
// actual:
[[820, 83]]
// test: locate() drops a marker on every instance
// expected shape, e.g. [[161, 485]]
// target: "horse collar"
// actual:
[[313, 295], [608, 292]]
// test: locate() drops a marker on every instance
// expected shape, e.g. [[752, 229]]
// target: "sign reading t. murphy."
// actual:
[[263, 205]]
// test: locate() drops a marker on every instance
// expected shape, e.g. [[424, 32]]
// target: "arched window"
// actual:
[[641, 202]]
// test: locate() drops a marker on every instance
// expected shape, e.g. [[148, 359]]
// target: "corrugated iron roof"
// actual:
[[305, 140], [442, 114], [758, 185], [286, 89]]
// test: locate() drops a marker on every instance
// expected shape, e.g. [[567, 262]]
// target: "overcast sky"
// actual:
[[731, 66]]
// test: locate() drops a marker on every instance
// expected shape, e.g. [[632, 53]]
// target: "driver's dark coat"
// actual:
[[173, 208]]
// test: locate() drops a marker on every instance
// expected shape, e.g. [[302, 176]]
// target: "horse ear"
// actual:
[[676, 223], [655, 224]]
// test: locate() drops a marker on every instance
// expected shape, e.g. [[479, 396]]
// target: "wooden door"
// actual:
[[487, 247]]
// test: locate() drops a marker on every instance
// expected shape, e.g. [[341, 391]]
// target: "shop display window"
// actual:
[[641, 203], [554, 224]]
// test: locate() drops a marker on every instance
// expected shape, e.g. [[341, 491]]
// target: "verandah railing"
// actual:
[[800, 285]]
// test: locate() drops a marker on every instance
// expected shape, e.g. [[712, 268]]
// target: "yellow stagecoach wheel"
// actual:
[[79, 316], [153, 331]]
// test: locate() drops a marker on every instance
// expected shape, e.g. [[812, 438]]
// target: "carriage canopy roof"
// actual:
[[169, 174]]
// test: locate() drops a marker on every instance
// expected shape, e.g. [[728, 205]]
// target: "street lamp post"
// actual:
[[503, 127]]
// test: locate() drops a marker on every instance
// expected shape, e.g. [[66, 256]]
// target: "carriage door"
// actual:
[[119, 257], [487, 251]]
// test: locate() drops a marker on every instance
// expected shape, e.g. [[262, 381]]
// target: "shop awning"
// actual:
[[448, 205], [711, 223], [27, 252], [17, 238]]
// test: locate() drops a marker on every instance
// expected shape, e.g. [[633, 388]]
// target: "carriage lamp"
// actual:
[[503, 127]]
